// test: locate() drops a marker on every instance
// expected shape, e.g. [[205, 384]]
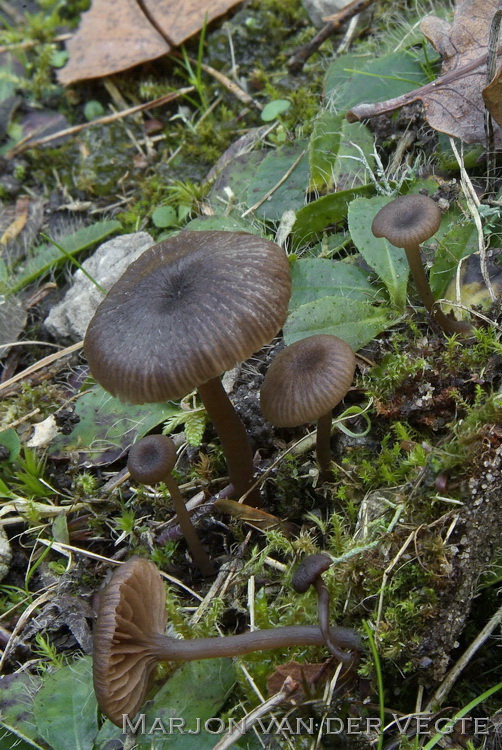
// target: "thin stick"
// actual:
[[41, 364], [491, 156], [301, 55], [455, 671], [277, 185], [473, 206], [27, 143]]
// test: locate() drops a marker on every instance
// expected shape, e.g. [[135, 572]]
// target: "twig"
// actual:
[[33, 43], [491, 156], [27, 143], [473, 206], [455, 671], [365, 110], [41, 364], [253, 716], [333, 23]]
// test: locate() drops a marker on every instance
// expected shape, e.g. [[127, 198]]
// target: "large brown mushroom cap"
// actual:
[[306, 380], [131, 608], [188, 309], [408, 220]]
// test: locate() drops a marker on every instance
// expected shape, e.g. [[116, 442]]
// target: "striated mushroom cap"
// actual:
[[188, 309], [151, 459], [131, 608], [408, 220], [306, 380]]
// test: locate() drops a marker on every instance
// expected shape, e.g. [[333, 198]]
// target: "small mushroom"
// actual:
[[151, 460], [406, 222], [308, 574], [188, 309], [304, 383], [129, 639]]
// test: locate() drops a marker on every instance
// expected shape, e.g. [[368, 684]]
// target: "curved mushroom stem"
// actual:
[[449, 325], [323, 447], [198, 552], [323, 614], [233, 437], [165, 648]]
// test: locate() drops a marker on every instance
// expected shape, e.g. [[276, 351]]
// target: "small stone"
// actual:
[[70, 318], [5, 554]]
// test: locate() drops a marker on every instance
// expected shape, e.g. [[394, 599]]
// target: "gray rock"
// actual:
[[317, 9], [5, 554], [70, 318]]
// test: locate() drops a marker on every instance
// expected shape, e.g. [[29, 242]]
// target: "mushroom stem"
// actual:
[[323, 614], [166, 648], [198, 552], [323, 447], [449, 325], [233, 437]]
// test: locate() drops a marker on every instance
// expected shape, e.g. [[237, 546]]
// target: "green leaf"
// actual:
[[388, 261], [290, 195], [194, 428], [165, 216], [10, 440], [17, 692], [194, 693], [107, 427], [457, 243], [314, 278], [352, 320], [65, 707], [335, 163], [322, 213], [47, 256], [272, 110], [352, 79]]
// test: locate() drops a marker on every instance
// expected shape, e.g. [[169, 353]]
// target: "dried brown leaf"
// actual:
[[492, 97], [179, 21], [453, 103], [115, 36]]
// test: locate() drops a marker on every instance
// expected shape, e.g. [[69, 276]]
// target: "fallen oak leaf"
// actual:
[[492, 97], [113, 37], [453, 103]]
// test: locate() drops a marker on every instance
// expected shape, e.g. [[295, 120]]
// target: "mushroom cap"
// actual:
[[188, 309], [308, 571], [131, 608], [151, 459], [306, 380], [408, 220]]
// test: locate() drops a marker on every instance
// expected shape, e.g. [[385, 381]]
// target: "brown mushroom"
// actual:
[[406, 222], [188, 309], [307, 574], [129, 639], [304, 383], [151, 460]]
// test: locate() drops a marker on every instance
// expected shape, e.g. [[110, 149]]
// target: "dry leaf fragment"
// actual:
[[115, 36], [453, 103], [179, 21], [492, 97], [112, 36]]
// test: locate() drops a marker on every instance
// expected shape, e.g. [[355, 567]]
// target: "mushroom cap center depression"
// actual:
[[188, 309]]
